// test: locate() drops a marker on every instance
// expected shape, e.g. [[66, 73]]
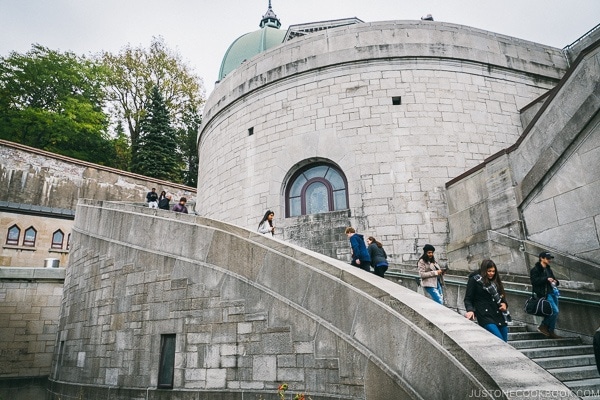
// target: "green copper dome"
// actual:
[[247, 46]]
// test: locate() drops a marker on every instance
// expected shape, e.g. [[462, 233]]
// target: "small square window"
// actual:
[[396, 100], [250, 131]]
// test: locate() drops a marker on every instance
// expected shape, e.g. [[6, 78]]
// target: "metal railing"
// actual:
[[508, 290]]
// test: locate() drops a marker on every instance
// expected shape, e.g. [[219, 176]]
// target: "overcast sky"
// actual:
[[202, 30]]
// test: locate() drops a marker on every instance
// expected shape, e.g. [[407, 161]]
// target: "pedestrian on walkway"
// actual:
[[544, 284], [360, 254], [266, 224], [180, 207], [485, 299], [378, 256], [431, 274]]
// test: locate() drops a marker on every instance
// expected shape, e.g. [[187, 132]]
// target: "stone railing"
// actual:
[[249, 312]]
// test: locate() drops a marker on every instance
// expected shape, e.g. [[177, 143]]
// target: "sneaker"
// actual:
[[553, 335], [543, 329]]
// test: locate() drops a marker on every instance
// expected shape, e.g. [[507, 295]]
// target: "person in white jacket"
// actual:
[[266, 224]]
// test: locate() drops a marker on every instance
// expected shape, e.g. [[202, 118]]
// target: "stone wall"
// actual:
[[323, 233], [33, 176], [557, 166], [250, 312], [30, 301], [34, 256], [541, 193], [328, 96], [41, 190]]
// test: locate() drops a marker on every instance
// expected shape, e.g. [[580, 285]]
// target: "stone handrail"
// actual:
[[239, 301]]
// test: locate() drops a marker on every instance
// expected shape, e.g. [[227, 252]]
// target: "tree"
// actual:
[[188, 145], [54, 101], [134, 72], [122, 147], [157, 154]]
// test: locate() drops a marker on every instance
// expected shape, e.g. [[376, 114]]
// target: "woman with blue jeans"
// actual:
[[545, 284], [431, 274], [485, 300]]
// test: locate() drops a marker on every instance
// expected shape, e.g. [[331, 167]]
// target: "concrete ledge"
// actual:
[[386, 40], [38, 274], [250, 312]]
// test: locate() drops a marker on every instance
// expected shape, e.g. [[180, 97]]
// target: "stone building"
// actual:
[[37, 211], [363, 124], [37, 207], [411, 131]]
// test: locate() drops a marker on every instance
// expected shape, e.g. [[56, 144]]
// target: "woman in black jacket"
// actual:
[[485, 299], [378, 256]]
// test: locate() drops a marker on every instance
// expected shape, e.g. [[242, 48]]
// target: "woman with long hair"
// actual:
[[485, 299], [431, 274], [266, 224], [378, 256]]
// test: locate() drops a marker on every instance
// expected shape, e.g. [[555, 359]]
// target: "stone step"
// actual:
[[541, 352], [575, 373], [516, 328], [527, 344], [566, 361], [525, 336], [585, 388]]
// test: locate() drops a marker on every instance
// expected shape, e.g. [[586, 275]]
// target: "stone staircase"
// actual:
[[568, 359]]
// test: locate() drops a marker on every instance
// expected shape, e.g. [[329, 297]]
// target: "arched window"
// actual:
[[57, 239], [14, 233], [30, 235], [317, 188]]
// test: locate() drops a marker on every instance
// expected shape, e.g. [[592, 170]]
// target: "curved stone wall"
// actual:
[[328, 96], [250, 312]]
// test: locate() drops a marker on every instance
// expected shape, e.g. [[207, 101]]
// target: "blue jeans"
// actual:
[[500, 331], [550, 320], [436, 293]]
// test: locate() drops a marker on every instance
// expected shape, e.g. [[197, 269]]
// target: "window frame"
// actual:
[[13, 242], [56, 245], [30, 243], [300, 174]]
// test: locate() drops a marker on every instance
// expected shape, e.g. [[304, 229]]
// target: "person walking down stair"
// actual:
[[431, 274], [544, 284], [485, 299]]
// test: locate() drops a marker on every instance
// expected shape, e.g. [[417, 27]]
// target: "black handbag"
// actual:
[[540, 307]]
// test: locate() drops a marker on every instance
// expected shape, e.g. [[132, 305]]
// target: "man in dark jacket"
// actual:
[[360, 255], [544, 284], [181, 206], [152, 198]]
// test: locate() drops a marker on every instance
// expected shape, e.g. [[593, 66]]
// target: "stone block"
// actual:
[[264, 368]]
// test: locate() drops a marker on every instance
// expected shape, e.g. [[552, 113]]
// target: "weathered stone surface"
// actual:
[[347, 327], [328, 97]]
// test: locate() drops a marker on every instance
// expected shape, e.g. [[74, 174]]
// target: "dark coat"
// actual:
[[539, 280], [378, 255], [478, 300], [359, 249]]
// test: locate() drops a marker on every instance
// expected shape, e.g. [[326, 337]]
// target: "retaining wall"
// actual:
[[250, 312]]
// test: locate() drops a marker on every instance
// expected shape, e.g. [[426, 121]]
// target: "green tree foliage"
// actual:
[[188, 145], [135, 71], [122, 146], [157, 154], [54, 101]]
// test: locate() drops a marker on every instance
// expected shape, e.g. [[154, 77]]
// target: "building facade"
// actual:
[[37, 207], [367, 121]]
